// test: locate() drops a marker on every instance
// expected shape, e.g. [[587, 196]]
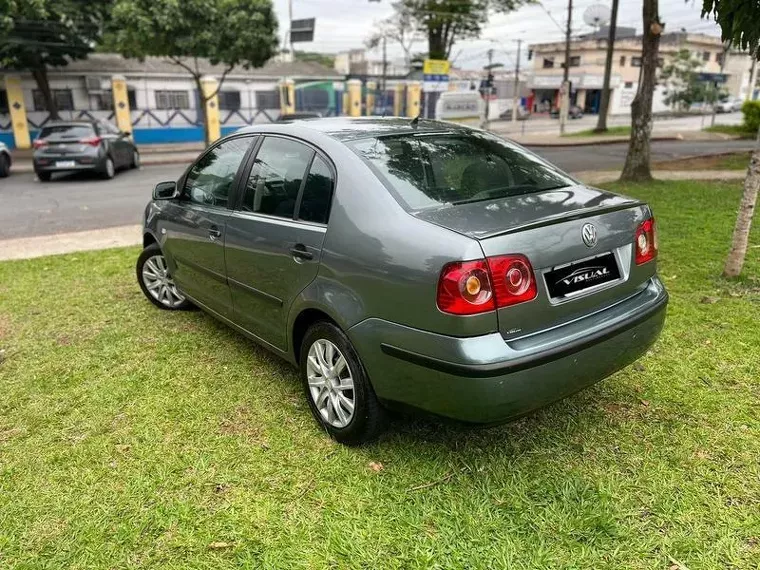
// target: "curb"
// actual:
[[581, 142]]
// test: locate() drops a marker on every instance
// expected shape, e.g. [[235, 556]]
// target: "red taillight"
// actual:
[[513, 279], [92, 141], [472, 287], [464, 288], [39, 143], [645, 241]]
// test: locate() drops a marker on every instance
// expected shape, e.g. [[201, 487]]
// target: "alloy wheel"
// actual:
[[331, 384], [158, 282]]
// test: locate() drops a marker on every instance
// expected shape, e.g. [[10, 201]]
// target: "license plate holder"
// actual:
[[575, 278], [65, 163]]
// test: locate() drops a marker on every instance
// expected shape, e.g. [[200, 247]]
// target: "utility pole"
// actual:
[[489, 79], [515, 97], [601, 125], [752, 79], [565, 91], [290, 30], [726, 49]]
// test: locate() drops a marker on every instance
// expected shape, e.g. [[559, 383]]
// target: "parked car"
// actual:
[[5, 161], [407, 264], [729, 105], [297, 116], [64, 146], [522, 114], [575, 112]]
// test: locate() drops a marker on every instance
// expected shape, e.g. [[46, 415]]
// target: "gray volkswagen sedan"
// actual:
[[407, 264]]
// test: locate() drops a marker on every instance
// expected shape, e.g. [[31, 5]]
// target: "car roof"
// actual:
[[354, 128]]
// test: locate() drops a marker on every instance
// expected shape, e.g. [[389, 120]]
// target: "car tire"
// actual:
[[156, 283], [43, 176], [5, 166], [135, 159], [326, 387], [109, 168]]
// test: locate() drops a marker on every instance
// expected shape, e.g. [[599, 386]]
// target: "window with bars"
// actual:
[[635, 62], [104, 101], [268, 99], [3, 101], [548, 63], [622, 61], [229, 100], [575, 61], [172, 99], [62, 97]]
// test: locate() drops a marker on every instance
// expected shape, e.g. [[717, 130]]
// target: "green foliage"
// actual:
[[35, 33], [751, 112], [445, 21], [683, 85], [230, 32], [738, 21], [323, 58]]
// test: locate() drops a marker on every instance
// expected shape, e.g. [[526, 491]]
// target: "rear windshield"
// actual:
[[431, 170], [67, 131]]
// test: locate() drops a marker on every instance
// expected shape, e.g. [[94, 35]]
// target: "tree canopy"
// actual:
[[446, 21], [37, 34], [738, 21]]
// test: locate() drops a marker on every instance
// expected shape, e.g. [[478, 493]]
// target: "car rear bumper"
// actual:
[[487, 380], [81, 162]]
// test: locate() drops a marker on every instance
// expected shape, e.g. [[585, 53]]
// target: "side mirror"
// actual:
[[125, 134], [165, 190]]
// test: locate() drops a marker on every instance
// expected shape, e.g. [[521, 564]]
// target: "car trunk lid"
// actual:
[[573, 277]]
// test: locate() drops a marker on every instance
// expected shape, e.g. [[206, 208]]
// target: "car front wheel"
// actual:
[[337, 388], [156, 282], [135, 159], [5, 166]]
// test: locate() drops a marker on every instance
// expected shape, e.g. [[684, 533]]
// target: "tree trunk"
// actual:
[[39, 73], [436, 43], [740, 241], [202, 109], [637, 162], [601, 125]]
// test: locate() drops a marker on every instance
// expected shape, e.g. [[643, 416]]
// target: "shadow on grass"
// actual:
[[419, 434]]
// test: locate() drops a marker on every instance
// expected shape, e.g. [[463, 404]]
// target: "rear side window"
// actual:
[[276, 177], [67, 131], [317, 193], [432, 170]]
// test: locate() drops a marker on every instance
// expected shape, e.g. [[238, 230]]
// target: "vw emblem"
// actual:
[[588, 233]]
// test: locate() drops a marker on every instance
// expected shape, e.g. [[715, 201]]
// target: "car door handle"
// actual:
[[214, 233], [298, 251]]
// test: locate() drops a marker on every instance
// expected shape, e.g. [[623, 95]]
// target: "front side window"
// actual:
[[276, 177], [433, 170], [210, 179]]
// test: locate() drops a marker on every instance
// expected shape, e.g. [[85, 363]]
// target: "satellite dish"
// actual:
[[597, 15]]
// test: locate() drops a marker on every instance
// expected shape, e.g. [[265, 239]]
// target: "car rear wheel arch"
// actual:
[[305, 319]]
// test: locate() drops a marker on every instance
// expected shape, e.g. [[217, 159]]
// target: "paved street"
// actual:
[[78, 203]]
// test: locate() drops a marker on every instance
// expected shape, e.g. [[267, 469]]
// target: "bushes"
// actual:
[[751, 111]]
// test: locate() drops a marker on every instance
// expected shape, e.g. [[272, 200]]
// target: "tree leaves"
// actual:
[[738, 22]]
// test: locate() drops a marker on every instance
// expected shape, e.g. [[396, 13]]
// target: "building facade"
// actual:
[[587, 59], [163, 100]]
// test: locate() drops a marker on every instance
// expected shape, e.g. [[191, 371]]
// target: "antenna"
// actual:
[[597, 15]]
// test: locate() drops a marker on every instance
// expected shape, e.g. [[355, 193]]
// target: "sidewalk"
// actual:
[[555, 140], [123, 236]]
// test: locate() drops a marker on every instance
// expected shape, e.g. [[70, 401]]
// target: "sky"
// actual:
[[346, 24]]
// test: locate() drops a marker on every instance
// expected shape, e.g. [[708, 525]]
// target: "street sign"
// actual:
[[302, 30], [435, 75], [713, 77]]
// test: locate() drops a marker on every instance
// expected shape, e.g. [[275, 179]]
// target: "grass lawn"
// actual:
[[736, 130], [136, 438], [622, 130], [728, 161]]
